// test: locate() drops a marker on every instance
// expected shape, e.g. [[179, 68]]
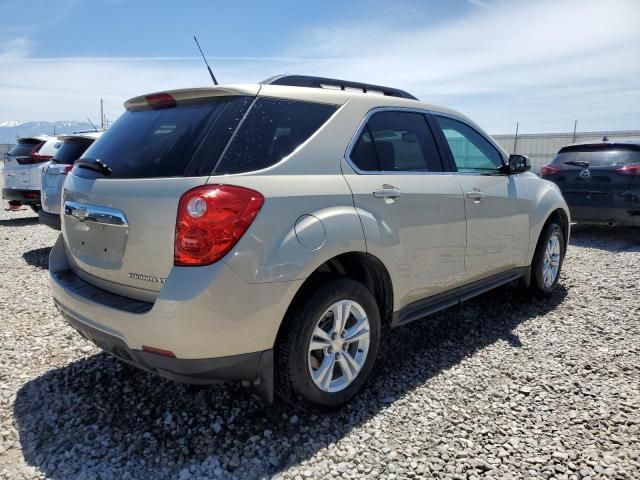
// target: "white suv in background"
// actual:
[[23, 165]]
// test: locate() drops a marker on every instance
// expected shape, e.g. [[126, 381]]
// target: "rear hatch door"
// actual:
[[17, 162], [119, 227], [589, 176]]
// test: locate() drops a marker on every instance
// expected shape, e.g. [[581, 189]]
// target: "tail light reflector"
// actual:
[[629, 170], [549, 170], [210, 221], [158, 351]]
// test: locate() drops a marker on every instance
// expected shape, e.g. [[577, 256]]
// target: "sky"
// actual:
[[542, 64]]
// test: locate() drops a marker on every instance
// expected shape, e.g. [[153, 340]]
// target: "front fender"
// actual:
[[546, 198]]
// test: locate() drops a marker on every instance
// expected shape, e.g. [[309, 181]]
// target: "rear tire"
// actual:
[[547, 260], [317, 367]]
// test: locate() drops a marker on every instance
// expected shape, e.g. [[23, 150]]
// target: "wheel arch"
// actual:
[[360, 266]]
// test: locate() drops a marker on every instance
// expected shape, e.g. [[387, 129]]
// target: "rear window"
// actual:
[[167, 142], [70, 150], [600, 158], [23, 149], [272, 130]]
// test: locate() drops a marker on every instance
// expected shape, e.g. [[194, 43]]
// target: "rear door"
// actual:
[[119, 228], [497, 205], [412, 209]]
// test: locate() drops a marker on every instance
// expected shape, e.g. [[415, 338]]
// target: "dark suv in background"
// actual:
[[599, 181]]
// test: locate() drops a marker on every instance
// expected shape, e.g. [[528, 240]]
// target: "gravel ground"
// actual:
[[502, 387]]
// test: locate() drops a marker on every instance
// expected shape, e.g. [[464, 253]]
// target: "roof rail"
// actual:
[[332, 83]]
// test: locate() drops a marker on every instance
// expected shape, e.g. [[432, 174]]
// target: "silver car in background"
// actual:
[[268, 233], [72, 146]]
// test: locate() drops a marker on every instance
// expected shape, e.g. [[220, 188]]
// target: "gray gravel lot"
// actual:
[[502, 387]]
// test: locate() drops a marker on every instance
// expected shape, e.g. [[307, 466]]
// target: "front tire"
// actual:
[[547, 261], [328, 345]]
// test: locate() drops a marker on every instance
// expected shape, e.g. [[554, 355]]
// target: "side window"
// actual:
[[396, 141], [470, 150], [272, 129]]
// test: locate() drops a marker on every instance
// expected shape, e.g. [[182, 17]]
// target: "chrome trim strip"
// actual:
[[95, 214]]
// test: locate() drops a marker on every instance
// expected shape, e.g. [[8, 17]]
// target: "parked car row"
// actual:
[[35, 168]]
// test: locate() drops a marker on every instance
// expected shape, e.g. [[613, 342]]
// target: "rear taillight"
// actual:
[[629, 170], [66, 169], [37, 158], [211, 219], [159, 101], [549, 170]]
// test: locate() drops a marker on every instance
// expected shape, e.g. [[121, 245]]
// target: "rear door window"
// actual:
[[272, 129], [70, 150], [166, 142], [396, 141]]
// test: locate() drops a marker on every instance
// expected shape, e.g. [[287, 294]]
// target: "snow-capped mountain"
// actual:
[[10, 129]]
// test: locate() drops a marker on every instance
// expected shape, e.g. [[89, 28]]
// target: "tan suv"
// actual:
[[267, 233]]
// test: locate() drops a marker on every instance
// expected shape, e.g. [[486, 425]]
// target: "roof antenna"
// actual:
[[94, 127], [215, 82], [605, 139]]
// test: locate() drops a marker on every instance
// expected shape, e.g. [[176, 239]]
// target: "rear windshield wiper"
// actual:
[[577, 163], [95, 165]]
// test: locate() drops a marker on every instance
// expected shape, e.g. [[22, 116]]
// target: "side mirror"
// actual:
[[517, 164]]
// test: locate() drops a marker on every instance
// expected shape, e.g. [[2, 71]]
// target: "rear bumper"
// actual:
[[612, 209], [606, 215], [208, 317], [255, 368], [26, 197], [49, 219]]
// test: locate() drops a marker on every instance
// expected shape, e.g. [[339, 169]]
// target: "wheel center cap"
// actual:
[[337, 344]]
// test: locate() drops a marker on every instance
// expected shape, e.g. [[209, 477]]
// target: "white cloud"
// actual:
[[542, 64]]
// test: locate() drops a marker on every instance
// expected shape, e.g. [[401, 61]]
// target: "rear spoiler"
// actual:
[[185, 94], [598, 147]]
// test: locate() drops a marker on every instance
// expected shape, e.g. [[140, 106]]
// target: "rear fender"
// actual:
[[309, 241]]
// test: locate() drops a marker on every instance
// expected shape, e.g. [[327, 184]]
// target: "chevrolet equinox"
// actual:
[[270, 233]]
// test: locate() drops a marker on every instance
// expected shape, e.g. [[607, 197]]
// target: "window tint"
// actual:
[[22, 149], [70, 150], [272, 129], [396, 141], [597, 158], [165, 143], [470, 150]]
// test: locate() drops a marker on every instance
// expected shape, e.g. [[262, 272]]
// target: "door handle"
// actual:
[[476, 195], [387, 191]]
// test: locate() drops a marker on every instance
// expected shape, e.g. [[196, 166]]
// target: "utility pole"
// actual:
[[101, 115], [515, 140], [575, 127]]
